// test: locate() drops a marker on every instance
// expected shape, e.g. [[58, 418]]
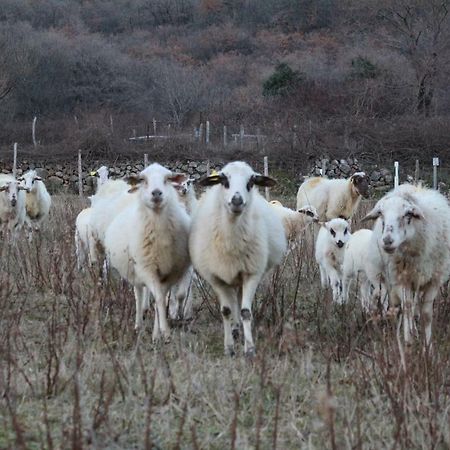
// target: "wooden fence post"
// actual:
[[396, 179], [154, 126], [207, 132], [145, 160], [241, 135], [224, 135], [33, 131], [208, 168], [80, 175], [200, 132], [15, 160], [416, 172], [266, 173]]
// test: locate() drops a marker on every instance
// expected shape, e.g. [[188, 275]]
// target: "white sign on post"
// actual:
[[435, 166], [435, 161]]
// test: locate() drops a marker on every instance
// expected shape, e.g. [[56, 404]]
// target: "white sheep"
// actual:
[[236, 237], [333, 198], [147, 242], [295, 222], [37, 200], [362, 261], [329, 254], [413, 234], [12, 205]]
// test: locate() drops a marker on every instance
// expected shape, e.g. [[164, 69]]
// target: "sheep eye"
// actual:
[[224, 182], [345, 231], [333, 233], [250, 184]]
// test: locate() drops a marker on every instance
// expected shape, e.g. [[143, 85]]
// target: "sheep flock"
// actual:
[[156, 233]]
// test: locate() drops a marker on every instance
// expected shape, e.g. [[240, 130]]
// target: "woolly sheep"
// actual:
[[294, 222], [333, 198], [147, 242], [37, 200], [412, 230], [87, 247], [362, 261], [188, 197], [236, 237], [12, 204], [329, 254]]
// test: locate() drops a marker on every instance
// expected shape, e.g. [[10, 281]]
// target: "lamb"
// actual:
[[147, 242], [295, 222], [236, 237], [362, 259], [412, 230], [37, 200], [12, 204], [333, 198], [329, 254]]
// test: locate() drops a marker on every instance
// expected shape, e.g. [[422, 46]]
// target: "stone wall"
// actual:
[[64, 178]]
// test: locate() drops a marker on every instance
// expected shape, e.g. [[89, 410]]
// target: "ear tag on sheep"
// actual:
[[211, 180], [93, 173]]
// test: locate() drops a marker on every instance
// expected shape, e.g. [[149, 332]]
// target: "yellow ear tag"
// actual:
[[92, 174], [214, 173]]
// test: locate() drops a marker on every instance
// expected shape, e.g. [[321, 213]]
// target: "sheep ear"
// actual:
[[263, 181], [211, 180], [37, 179], [414, 212], [134, 181], [374, 214], [177, 178], [309, 211], [3, 188]]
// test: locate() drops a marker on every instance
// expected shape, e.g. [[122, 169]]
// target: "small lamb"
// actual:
[[362, 261], [12, 205], [330, 242]]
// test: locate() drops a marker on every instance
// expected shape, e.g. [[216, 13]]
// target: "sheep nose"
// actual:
[[13, 201], [387, 240], [157, 194], [237, 200], [340, 244]]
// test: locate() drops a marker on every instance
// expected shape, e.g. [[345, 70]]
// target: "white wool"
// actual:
[[12, 205], [147, 242], [413, 232], [232, 245], [329, 254], [332, 198]]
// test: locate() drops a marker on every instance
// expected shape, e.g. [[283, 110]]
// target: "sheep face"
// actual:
[[28, 180], [397, 221], [155, 185], [12, 189], [339, 231], [184, 187], [237, 180], [360, 183]]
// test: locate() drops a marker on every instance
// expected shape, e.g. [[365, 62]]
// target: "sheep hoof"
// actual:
[[250, 353], [229, 351], [235, 334]]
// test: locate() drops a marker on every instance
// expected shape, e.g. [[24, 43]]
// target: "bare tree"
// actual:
[[420, 30]]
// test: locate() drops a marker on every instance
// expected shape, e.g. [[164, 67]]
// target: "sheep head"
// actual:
[[237, 180], [12, 188], [397, 221], [360, 183], [155, 185], [339, 231], [28, 180]]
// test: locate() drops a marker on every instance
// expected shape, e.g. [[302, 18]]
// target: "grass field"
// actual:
[[73, 374]]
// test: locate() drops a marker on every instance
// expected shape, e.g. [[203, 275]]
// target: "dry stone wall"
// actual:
[[64, 178]]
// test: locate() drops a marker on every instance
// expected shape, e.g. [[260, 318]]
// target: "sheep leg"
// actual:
[[323, 276], [336, 286], [161, 326], [248, 293], [183, 295], [408, 314], [227, 300], [427, 311], [139, 295], [346, 283]]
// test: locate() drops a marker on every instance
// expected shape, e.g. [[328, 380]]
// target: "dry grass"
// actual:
[[74, 375]]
